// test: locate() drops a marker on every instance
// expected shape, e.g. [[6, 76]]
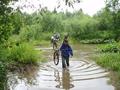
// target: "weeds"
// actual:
[[112, 47], [109, 60], [24, 53]]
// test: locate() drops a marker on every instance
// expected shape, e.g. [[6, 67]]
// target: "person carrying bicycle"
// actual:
[[54, 39], [66, 51]]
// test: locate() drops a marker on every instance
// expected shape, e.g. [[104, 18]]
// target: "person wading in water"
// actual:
[[66, 51]]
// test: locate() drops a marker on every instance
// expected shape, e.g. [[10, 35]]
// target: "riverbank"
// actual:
[[108, 56], [17, 58], [111, 62]]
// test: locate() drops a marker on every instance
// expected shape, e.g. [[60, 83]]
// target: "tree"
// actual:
[[5, 20], [114, 7]]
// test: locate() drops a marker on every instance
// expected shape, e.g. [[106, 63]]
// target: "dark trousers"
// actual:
[[65, 60]]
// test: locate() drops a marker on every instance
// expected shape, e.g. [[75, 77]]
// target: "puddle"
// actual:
[[82, 74]]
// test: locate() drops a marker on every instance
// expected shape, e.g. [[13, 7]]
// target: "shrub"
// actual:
[[110, 61], [113, 47], [23, 53]]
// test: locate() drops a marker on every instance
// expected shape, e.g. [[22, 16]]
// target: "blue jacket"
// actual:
[[66, 50]]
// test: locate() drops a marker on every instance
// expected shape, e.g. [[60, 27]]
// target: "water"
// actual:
[[83, 74]]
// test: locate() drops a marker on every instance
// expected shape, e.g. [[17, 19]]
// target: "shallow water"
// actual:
[[83, 74]]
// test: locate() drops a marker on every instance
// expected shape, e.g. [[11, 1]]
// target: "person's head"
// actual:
[[65, 42], [66, 36]]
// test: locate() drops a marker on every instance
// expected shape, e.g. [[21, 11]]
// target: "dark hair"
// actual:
[[65, 41], [66, 36]]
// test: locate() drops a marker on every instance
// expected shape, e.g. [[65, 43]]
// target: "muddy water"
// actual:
[[83, 74]]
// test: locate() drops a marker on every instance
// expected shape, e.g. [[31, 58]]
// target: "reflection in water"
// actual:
[[65, 81], [26, 75], [57, 78]]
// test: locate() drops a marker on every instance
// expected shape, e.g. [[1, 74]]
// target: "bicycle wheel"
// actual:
[[56, 57]]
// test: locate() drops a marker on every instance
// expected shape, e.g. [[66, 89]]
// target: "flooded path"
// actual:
[[83, 74]]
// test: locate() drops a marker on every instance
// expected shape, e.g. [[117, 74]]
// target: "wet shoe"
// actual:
[[64, 68]]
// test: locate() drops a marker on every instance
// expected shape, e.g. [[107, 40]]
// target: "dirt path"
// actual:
[[83, 74]]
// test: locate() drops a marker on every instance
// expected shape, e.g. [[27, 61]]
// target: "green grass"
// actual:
[[110, 61], [109, 58], [24, 53], [112, 47], [96, 41]]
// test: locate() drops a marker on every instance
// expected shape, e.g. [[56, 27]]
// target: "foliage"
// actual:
[[95, 41], [17, 21], [79, 25], [6, 25], [23, 53], [109, 18], [51, 22], [109, 56], [5, 28], [110, 61], [112, 47]]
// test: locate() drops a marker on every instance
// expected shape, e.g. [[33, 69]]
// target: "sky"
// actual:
[[89, 7]]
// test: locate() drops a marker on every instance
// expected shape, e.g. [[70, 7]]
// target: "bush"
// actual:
[[92, 41], [113, 47], [110, 61], [24, 53]]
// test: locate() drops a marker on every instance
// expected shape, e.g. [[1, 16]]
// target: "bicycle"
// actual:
[[56, 56]]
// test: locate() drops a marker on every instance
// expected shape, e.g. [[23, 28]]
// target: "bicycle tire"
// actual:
[[56, 57]]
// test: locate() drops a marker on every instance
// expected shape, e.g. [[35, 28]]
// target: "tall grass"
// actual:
[[109, 58], [24, 53], [112, 47], [110, 61]]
